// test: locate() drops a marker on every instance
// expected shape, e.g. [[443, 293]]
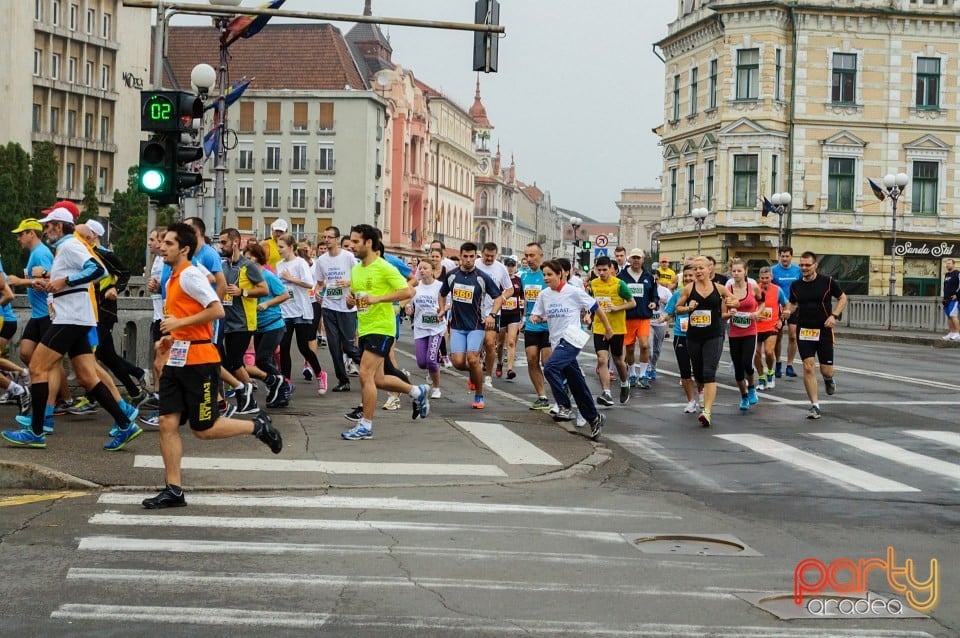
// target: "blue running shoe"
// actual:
[[357, 433], [651, 374], [25, 420], [633, 380], [789, 372], [744, 403], [123, 437], [25, 438], [778, 371], [421, 405], [132, 413], [752, 396]]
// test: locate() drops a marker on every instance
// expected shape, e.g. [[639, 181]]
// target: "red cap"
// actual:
[[70, 206]]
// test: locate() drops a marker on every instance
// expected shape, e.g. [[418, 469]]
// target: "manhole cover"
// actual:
[[691, 544], [832, 606]]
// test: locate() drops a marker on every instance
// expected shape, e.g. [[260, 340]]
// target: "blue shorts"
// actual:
[[466, 340], [950, 309]]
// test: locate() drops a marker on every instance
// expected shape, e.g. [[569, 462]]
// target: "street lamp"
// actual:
[[894, 185], [780, 203], [575, 223], [699, 214]]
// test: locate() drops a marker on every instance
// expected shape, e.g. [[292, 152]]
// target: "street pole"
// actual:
[[159, 39], [893, 251], [220, 168], [894, 185]]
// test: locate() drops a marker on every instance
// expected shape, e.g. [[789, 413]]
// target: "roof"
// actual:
[[310, 56], [477, 112]]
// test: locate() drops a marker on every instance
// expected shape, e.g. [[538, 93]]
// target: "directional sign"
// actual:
[[601, 241], [599, 252]]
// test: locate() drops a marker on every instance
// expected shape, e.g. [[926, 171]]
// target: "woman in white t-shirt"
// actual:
[[297, 275], [429, 323]]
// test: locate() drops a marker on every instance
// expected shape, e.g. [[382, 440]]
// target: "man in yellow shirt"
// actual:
[[614, 298], [668, 277], [278, 228]]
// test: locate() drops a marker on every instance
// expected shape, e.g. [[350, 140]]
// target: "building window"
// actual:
[[325, 195], [105, 77], [91, 20], [297, 228], [105, 32], [774, 172], [88, 126], [37, 61], [748, 74], [326, 116], [299, 157], [778, 74], [840, 180], [300, 118], [73, 16], [37, 117], [104, 128], [298, 196], [246, 117], [245, 160], [38, 10], [325, 161], [55, 66], [102, 181], [745, 168], [55, 120], [88, 73], [691, 177], [273, 118], [271, 195], [676, 99], [71, 176], [925, 186], [928, 83], [694, 77], [55, 18], [72, 70], [87, 173], [844, 78], [713, 85], [673, 192], [245, 195], [71, 123], [272, 162], [710, 167]]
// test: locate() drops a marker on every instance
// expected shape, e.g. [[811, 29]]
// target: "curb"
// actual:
[[37, 477], [893, 337]]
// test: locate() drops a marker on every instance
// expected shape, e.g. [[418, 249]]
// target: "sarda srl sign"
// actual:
[[923, 248]]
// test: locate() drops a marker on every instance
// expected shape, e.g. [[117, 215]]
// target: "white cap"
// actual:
[[96, 227], [280, 224], [58, 215]]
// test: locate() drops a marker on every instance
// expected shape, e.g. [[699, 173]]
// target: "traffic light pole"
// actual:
[[220, 168], [159, 37]]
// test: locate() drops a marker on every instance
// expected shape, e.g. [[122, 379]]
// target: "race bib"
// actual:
[[510, 304], [605, 303], [463, 293], [429, 320], [809, 334], [333, 292], [636, 289], [363, 302], [575, 336], [684, 322], [178, 354], [531, 293], [656, 315], [701, 318], [227, 300], [289, 294], [766, 314], [741, 320]]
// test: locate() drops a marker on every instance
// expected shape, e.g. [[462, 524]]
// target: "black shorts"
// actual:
[[615, 345], [235, 345], [763, 336], [536, 338], [35, 329], [793, 319], [8, 330], [155, 333], [510, 317], [822, 348], [377, 344], [191, 392], [68, 339], [496, 324]]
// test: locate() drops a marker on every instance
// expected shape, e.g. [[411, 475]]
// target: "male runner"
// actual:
[[499, 275], [332, 271], [614, 298], [784, 274], [641, 284], [536, 336], [620, 257], [951, 288]]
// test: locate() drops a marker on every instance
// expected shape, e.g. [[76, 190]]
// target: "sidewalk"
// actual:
[[914, 337]]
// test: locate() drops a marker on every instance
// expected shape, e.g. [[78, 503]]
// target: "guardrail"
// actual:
[[905, 313]]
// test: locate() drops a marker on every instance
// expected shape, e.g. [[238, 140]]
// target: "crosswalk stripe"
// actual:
[[326, 467], [233, 522], [894, 453], [947, 438], [374, 503], [647, 448], [194, 616], [513, 449], [835, 472]]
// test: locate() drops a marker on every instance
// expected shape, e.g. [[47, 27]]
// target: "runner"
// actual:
[[428, 315], [769, 326], [810, 301], [332, 272], [667, 275], [784, 274], [681, 323], [469, 286], [511, 318], [742, 333], [374, 286], [658, 329], [536, 337], [277, 228], [560, 306], [499, 275], [951, 287], [270, 331], [297, 310], [641, 284], [615, 299]]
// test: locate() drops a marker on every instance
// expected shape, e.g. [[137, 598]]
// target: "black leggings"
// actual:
[[125, 371], [265, 344], [683, 355], [705, 357], [317, 316], [741, 351], [392, 370], [305, 334]]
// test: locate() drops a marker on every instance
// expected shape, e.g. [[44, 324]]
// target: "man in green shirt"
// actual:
[[374, 286]]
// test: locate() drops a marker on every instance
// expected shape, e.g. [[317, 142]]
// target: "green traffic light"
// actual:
[[151, 180]]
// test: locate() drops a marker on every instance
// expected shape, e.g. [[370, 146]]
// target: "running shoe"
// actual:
[[132, 412], [762, 383], [343, 387], [704, 418], [691, 407], [470, 385], [478, 402], [25, 402], [263, 429], [229, 393], [624, 393], [307, 373], [447, 363], [392, 403], [82, 406], [137, 397], [322, 383], [700, 400], [353, 370], [633, 380], [652, 374], [752, 396], [542, 403], [421, 405], [511, 374], [25, 438], [605, 399], [779, 370], [6, 398], [771, 382], [789, 371], [226, 409], [168, 497], [151, 420], [563, 414], [744, 403], [499, 370], [596, 426], [123, 437], [62, 407], [814, 412], [831, 386], [246, 403], [357, 433], [25, 420], [643, 383], [435, 393], [322, 341], [554, 410], [955, 337], [152, 402], [274, 384], [354, 415]]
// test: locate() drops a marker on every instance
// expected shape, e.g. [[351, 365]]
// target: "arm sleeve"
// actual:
[[782, 298], [793, 296], [835, 289], [492, 289], [254, 275], [624, 291], [306, 274], [445, 286], [274, 286], [92, 271], [213, 263], [396, 279], [586, 301], [538, 307]]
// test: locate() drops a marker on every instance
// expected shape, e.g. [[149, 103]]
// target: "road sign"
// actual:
[[601, 241], [599, 252]]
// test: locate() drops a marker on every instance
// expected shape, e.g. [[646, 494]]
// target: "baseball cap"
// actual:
[[664, 260], [509, 261], [30, 223], [96, 227], [636, 252], [70, 206], [279, 224], [58, 215]]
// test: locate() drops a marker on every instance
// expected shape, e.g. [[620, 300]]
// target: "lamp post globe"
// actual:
[[204, 77], [902, 179], [889, 180]]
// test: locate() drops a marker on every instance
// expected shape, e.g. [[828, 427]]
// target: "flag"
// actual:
[[247, 26], [877, 191], [767, 207], [236, 90], [211, 141]]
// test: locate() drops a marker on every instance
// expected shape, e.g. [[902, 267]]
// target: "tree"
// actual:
[[16, 202], [128, 223], [90, 207], [44, 172]]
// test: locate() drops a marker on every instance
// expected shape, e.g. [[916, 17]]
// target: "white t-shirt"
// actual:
[[448, 263], [73, 305], [194, 282], [562, 309], [156, 272], [301, 306], [576, 281], [500, 276], [330, 270], [426, 320], [664, 294]]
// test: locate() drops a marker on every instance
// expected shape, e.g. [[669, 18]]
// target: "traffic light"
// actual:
[[166, 158], [584, 258], [587, 244], [485, 43], [157, 175], [169, 111]]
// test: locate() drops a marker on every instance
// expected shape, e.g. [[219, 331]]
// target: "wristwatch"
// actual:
[[244, 293]]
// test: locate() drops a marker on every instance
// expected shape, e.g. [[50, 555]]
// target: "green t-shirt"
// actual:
[[379, 278]]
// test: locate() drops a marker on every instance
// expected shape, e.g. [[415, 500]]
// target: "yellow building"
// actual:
[[813, 98]]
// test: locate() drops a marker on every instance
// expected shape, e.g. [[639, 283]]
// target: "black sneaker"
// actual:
[[152, 402], [624, 393], [343, 387], [354, 415], [596, 426], [246, 404], [170, 496], [605, 399], [831, 386], [274, 384], [263, 429]]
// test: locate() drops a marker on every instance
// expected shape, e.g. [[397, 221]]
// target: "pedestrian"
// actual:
[[511, 318], [277, 228], [428, 316], [810, 302], [536, 336], [666, 275], [640, 282], [188, 383], [499, 275], [560, 306], [270, 331], [658, 329], [681, 322], [742, 333], [951, 305]]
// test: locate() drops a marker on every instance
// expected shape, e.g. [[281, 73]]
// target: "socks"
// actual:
[[415, 392], [367, 423], [15, 389], [41, 391], [102, 395]]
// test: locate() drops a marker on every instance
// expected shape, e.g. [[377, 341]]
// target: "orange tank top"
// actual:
[[180, 305]]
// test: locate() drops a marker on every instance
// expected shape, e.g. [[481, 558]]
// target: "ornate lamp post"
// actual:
[[575, 223], [699, 214], [780, 201], [894, 184]]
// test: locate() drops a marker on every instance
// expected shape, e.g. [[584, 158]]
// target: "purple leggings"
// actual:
[[428, 349]]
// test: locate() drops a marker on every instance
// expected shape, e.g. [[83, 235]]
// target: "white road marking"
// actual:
[[837, 473], [647, 448], [899, 378], [894, 453], [947, 438], [373, 503], [512, 448], [486, 391], [193, 616], [326, 467]]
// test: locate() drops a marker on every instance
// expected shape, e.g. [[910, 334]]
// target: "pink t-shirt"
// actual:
[[742, 323]]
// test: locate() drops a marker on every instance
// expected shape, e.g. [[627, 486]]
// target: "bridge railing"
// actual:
[[904, 313]]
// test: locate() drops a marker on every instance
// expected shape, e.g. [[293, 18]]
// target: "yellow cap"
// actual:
[[29, 223]]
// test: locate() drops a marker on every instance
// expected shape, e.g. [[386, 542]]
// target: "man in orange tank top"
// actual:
[[188, 384]]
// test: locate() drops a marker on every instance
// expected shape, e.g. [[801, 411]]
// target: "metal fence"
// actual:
[[905, 313]]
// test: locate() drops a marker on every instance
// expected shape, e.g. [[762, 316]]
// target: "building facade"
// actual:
[[814, 98], [81, 65], [640, 210]]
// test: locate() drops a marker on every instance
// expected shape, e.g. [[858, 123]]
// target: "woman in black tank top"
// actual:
[[708, 305]]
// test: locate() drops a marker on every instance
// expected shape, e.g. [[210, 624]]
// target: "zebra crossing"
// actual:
[[393, 566], [880, 461]]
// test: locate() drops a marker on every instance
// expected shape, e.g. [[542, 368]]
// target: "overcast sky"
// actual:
[[576, 96]]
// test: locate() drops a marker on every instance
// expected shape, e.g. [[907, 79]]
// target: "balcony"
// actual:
[[270, 166], [299, 128], [244, 166], [325, 167], [486, 213], [508, 216], [298, 166], [270, 203]]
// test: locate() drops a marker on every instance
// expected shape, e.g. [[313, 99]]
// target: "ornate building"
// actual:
[[640, 218]]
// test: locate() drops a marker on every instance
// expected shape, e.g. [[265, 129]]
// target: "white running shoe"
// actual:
[[488, 382], [392, 403], [955, 336], [436, 394], [948, 336], [691, 407]]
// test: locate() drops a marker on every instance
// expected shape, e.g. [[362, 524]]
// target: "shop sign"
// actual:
[[922, 248]]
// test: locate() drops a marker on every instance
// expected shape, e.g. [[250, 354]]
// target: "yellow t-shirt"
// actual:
[[608, 294], [667, 276], [273, 254]]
